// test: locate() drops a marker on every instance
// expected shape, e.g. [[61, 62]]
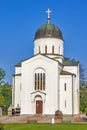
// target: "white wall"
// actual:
[[17, 70], [49, 42], [25, 97], [66, 96], [74, 70], [17, 91], [51, 69]]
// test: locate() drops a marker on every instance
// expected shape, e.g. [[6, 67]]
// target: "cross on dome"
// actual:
[[48, 18]]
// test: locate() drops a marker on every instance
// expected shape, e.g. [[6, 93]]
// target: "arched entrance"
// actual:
[[39, 104]]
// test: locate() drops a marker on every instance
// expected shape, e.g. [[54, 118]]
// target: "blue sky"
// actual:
[[19, 20]]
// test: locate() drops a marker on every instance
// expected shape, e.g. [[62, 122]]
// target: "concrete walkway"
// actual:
[[27, 119], [39, 119]]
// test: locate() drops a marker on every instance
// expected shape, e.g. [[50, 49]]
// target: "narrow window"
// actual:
[[65, 86], [52, 49], [39, 49], [20, 86], [45, 49], [65, 103], [43, 81], [35, 81], [39, 81]]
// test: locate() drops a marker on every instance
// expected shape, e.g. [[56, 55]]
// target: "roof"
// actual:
[[17, 74], [38, 91], [48, 31], [66, 73], [18, 64], [70, 62]]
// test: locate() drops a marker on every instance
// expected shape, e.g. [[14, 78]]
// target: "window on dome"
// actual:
[[39, 49], [65, 86], [52, 49], [65, 103], [39, 81], [45, 49]]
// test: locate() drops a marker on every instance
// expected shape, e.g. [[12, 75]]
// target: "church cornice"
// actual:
[[19, 64], [66, 73], [38, 92], [16, 74]]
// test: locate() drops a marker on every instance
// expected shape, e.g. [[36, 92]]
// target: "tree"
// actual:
[[83, 76], [5, 92], [6, 96], [1, 127], [2, 75], [1, 101], [83, 99], [83, 88]]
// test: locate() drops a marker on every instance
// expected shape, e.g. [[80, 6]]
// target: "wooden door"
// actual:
[[39, 106]]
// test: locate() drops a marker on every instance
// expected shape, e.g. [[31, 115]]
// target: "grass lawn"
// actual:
[[36, 126]]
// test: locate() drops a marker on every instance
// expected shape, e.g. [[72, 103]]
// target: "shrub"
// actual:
[[1, 127], [86, 111]]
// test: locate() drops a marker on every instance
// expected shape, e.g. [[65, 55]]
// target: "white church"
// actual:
[[47, 81]]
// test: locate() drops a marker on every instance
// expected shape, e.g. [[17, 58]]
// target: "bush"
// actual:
[[1, 127], [86, 111]]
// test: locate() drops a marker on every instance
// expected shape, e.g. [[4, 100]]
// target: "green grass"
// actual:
[[37, 126]]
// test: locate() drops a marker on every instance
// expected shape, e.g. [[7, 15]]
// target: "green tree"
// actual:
[[83, 88], [1, 127], [2, 75], [83, 99], [1, 101], [83, 76], [6, 94]]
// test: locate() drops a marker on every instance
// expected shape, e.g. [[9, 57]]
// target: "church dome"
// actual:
[[48, 31]]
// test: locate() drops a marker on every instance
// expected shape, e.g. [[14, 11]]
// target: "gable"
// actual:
[[39, 57]]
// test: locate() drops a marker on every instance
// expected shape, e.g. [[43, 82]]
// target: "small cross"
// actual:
[[48, 11]]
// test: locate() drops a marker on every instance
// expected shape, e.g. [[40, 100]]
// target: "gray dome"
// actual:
[[48, 31]]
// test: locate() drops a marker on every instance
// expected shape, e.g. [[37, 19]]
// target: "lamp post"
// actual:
[[78, 100]]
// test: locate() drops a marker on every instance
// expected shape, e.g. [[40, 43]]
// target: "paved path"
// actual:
[[38, 119], [27, 119]]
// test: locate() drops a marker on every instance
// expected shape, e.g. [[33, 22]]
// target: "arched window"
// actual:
[[52, 49], [39, 79], [65, 103], [39, 49], [65, 86], [45, 49]]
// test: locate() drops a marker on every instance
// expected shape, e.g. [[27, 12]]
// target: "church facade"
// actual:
[[47, 81]]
